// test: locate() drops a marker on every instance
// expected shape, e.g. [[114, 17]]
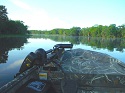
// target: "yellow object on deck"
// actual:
[[43, 76]]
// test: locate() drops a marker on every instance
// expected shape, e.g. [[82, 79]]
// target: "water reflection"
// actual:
[[104, 43], [14, 58], [10, 43], [111, 44], [12, 66]]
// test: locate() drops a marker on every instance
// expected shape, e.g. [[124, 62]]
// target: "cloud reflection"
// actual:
[[12, 66]]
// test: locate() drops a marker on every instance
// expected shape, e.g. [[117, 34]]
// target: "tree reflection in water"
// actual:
[[111, 44], [103, 43], [10, 43]]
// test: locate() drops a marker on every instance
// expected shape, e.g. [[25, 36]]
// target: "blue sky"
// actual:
[[50, 14]]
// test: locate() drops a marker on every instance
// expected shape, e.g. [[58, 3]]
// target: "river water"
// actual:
[[13, 50]]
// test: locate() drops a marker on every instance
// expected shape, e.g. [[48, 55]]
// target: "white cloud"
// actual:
[[20, 4], [36, 18], [45, 22], [40, 19], [12, 66]]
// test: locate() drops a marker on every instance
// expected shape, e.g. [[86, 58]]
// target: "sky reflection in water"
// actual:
[[16, 55]]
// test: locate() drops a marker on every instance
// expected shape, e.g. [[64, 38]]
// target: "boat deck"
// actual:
[[82, 71], [93, 71]]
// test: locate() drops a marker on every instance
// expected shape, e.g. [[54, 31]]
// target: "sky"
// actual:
[[50, 14]]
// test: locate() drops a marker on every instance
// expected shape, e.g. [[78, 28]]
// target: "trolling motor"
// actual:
[[42, 57], [37, 58]]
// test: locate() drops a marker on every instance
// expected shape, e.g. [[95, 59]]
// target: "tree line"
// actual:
[[111, 31], [8, 26]]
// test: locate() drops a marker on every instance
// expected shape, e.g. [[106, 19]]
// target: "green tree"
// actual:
[[54, 31], [121, 31], [99, 30], [84, 32], [104, 31], [93, 31], [60, 31], [3, 18], [112, 30], [3, 13], [74, 31], [15, 27], [67, 32], [20, 27], [10, 26]]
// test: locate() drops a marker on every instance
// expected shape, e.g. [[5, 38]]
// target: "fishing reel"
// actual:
[[37, 58]]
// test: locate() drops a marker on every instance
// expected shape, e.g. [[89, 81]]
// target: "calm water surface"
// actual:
[[13, 50]]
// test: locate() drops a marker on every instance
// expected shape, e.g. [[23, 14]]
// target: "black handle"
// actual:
[[64, 45]]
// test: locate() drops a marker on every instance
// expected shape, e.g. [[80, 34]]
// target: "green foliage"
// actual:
[[18, 27], [74, 31], [3, 14], [94, 31], [10, 26], [13, 27], [121, 31], [112, 31], [104, 31], [84, 32]]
